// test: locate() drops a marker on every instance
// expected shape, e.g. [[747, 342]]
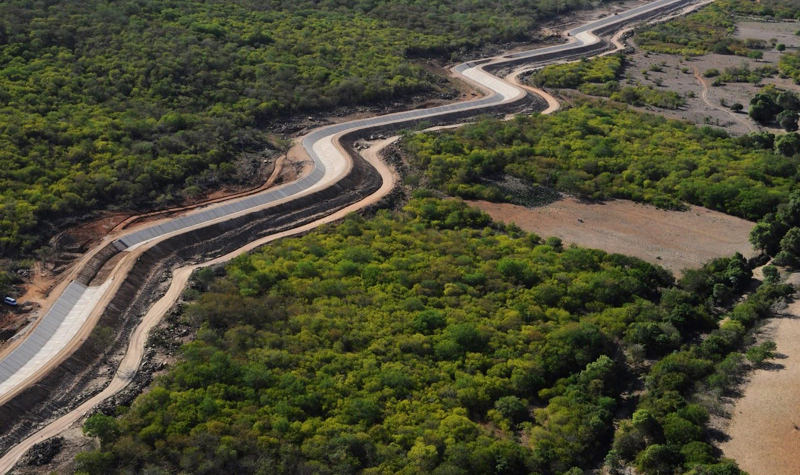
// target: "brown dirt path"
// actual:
[[704, 96], [136, 346], [676, 240], [552, 103], [765, 428]]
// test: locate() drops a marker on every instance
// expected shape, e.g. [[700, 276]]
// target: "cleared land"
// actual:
[[707, 104], [676, 73], [676, 240], [764, 430], [765, 427]]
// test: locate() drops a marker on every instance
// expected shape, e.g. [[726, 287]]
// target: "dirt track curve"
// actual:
[[707, 101], [133, 274], [180, 277]]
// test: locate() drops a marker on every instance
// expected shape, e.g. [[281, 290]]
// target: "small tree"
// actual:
[[788, 144], [788, 100], [759, 354], [697, 452], [788, 120], [103, 427], [512, 408], [555, 242], [789, 254], [659, 460], [791, 242], [763, 109], [771, 274]]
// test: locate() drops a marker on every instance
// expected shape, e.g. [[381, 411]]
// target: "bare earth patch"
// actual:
[[707, 104], [678, 74], [765, 428], [676, 240]]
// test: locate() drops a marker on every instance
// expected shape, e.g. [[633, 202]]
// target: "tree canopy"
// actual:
[[601, 151], [427, 340], [142, 103]]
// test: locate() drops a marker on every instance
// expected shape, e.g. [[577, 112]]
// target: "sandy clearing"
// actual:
[[780, 31], [765, 428], [676, 240]]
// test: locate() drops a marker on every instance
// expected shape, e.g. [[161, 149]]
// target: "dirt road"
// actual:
[[765, 427], [704, 96], [180, 277]]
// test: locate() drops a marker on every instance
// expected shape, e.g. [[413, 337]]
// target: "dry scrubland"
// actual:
[[678, 74], [680, 240]]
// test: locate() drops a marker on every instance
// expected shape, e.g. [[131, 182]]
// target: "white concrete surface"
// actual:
[[50, 347]]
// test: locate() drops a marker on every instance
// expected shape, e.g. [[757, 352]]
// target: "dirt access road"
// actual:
[[323, 144], [180, 278]]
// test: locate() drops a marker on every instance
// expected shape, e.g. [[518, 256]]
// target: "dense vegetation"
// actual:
[[602, 151], [789, 65], [423, 341], [577, 74], [778, 233], [711, 29], [142, 102], [600, 77], [776, 106], [665, 435]]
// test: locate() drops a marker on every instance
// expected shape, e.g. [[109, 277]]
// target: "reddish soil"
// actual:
[[676, 240], [69, 244], [39, 286]]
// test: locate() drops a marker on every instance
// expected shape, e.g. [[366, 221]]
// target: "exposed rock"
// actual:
[[43, 452]]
